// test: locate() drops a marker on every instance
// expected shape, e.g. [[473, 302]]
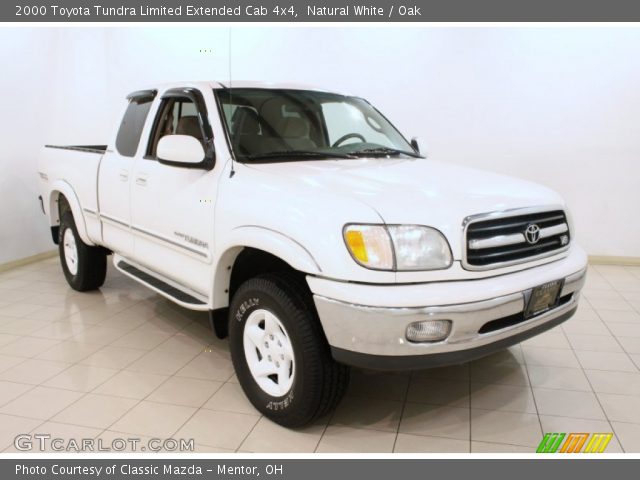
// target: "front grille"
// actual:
[[498, 241]]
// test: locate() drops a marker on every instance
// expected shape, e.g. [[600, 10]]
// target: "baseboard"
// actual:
[[611, 260], [26, 261]]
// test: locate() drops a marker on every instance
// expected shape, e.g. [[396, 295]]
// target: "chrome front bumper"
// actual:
[[375, 337]]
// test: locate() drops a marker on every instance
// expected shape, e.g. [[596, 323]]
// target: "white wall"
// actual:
[[556, 105], [26, 57]]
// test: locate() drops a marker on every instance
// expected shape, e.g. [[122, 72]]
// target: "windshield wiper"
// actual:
[[298, 154], [384, 151]]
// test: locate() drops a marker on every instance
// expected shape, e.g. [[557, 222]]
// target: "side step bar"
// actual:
[[163, 287]]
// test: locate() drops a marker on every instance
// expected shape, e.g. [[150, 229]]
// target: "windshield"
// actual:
[[278, 125]]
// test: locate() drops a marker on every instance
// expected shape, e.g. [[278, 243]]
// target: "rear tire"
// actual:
[[84, 266], [279, 351]]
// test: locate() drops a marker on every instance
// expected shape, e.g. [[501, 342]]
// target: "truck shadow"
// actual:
[[438, 401]]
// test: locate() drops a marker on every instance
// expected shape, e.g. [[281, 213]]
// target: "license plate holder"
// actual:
[[543, 297]]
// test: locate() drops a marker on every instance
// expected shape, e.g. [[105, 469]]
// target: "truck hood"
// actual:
[[412, 191]]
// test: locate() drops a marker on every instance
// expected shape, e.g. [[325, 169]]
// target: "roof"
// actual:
[[213, 84], [278, 85]]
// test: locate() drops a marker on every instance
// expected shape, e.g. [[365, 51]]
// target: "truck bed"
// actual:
[[72, 170]]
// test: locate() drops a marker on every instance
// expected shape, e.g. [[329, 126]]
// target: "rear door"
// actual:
[[172, 207], [116, 172]]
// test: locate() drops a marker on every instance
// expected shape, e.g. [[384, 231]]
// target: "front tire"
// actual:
[[84, 266], [280, 353]]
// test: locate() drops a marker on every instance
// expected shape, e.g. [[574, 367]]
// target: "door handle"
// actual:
[[142, 181], [124, 175]]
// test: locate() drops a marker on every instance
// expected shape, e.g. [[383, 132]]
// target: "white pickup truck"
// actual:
[[314, 234]]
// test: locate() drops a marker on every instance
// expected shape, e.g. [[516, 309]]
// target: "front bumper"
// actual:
[[375, 336]]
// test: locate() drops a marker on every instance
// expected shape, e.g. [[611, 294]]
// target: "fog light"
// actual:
[[429, 331]]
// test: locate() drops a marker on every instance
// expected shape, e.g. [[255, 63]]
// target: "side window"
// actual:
[[176, 116], [131, 127]]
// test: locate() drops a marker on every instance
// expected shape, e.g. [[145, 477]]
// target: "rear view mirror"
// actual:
[[418, 145], [180, 150]]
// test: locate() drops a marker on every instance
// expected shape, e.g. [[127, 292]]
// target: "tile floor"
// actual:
[[124, 362]]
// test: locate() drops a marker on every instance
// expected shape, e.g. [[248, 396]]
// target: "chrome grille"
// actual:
[[503, 239]]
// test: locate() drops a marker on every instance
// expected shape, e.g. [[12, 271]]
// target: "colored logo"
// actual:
[[574, 443]]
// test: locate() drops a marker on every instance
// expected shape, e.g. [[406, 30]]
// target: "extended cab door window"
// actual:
[[132, 124]]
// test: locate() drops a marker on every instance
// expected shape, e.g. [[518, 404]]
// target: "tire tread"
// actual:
[[92, 261], [329, 380]]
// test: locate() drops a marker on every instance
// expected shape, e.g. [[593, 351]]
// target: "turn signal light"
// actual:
[[355, 241]]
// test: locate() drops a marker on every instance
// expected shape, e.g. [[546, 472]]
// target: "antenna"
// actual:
[[233, 170]]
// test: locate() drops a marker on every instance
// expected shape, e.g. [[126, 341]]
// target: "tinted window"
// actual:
[[273, 123], [131, 126]]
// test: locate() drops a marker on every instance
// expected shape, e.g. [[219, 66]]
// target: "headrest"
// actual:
[[245, 121], [189, 125]]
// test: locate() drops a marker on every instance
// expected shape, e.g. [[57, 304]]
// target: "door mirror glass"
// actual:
[[180, 149]]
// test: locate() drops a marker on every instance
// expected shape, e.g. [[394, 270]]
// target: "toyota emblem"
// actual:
[[532, 233]]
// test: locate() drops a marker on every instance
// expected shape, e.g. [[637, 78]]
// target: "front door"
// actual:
[[172, 207]]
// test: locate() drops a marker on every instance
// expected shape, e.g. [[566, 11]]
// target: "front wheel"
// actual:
[[279, 351], [84, 266]]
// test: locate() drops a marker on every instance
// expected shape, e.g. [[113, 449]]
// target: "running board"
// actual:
[[162, 286]]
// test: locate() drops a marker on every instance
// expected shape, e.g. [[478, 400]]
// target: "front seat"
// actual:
[[295, 132], [189, 125], [246, 130]]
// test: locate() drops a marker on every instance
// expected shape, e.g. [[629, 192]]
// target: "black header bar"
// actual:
[[571, 466]]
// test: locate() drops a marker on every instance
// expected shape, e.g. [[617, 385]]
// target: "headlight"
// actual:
[[419, 248], [398, 247]]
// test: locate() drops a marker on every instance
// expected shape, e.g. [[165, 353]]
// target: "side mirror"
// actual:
[[180, 151], [418, 145]]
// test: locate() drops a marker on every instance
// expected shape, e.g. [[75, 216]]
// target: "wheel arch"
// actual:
[[62, 190], [260, 251]]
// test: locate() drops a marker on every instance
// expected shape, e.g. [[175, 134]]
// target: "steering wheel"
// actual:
[[346, 137]]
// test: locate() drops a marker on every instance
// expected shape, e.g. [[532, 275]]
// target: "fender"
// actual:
[[271, 241], [63, 188]]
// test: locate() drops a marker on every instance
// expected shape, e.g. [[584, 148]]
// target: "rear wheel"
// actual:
[[279, 351], [84, 266]]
